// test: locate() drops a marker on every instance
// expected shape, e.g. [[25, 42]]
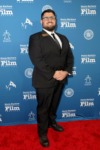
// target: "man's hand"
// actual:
[[60, 75]]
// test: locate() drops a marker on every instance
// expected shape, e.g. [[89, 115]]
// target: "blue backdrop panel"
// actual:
[[78, 20]]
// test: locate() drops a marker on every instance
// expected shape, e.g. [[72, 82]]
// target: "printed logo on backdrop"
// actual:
[[98, 91], [71, 46], [31, 116], [24, 48], [88, 81], [45, 7], [6, 37], [6, 10], [25, 1], [68, 23], [87, 102], [11, 85], [29, 95], [74, 71], [67, 1], [12, 107], [26, 23], [88, 34], [69, 92], [28, 72], [88, 59], [68, 113], [0, 118], [8, 62], [88, 10]]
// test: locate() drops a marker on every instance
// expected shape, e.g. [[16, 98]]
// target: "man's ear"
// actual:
[[41, 21]]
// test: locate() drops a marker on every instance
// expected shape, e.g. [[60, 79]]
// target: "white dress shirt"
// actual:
[[57, 37]]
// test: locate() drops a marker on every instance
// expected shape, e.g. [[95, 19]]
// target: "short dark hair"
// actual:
[[49, 11]]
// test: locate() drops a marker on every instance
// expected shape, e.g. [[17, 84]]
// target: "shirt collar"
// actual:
[[49, 32]]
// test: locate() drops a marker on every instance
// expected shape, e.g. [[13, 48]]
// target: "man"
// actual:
[[53, 61]]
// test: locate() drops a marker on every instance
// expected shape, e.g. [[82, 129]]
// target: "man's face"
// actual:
[[48, 21]]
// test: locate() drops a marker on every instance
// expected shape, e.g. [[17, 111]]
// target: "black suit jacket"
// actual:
[[47, 57]]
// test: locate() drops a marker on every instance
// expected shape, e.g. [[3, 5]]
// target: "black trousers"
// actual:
[[48, 100]]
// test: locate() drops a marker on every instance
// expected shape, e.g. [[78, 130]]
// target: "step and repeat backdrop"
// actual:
[[79, 21]]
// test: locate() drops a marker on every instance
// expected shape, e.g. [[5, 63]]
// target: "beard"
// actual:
[[50, 28]]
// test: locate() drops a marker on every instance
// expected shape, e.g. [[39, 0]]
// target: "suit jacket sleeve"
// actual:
[[70, 61], [37, 59]]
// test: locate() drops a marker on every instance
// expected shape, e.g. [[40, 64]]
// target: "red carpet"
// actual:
[[78, 135]]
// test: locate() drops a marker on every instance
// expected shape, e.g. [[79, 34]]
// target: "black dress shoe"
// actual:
[[44, 141], [57, 127]]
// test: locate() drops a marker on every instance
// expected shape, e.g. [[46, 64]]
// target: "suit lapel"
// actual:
[[45, 34]]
